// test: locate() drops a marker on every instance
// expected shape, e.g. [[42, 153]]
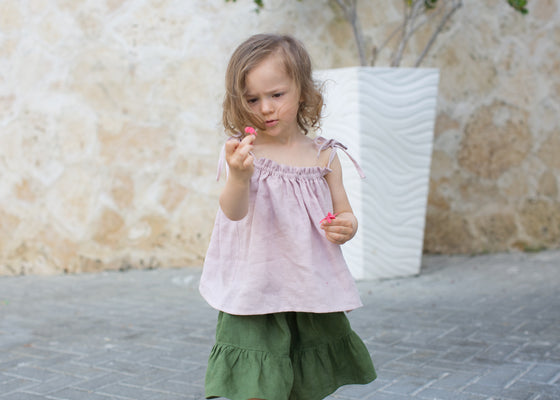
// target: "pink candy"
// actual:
[[250, 130], [329, 218]]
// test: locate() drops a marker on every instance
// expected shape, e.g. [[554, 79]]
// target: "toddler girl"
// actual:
[[274, 267]]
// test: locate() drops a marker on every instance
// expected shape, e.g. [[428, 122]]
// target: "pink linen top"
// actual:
[[277, 257]]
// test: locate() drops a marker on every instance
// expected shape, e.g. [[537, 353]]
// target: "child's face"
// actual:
[[273, 96]]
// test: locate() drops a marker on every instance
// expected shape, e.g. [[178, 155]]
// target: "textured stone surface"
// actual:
[[110, 123], [541, 218], [496, 231], [445, 230], [496, 139], [549, 150], [498, 125]]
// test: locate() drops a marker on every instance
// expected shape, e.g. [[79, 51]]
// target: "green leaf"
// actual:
[[430, 3], [519, 5], [258, 3]]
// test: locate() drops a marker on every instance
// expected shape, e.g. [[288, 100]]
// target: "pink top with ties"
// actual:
[[277, 257]]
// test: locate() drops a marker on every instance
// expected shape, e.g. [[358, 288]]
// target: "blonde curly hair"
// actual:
[[236, 111]]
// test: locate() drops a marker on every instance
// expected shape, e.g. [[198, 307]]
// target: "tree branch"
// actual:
[[458, 4], [411, 13], [349, 8], [427, 19], [377, 50]]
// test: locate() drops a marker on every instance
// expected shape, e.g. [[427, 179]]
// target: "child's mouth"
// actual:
[[271, 123]]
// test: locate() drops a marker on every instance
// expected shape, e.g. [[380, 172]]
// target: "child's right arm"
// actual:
[[234, 199]]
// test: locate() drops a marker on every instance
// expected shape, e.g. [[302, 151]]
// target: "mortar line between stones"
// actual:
[[519, 376], [554, 380], [387, 385], [430, 383], [471, 382], [447, 332], [516, 311]]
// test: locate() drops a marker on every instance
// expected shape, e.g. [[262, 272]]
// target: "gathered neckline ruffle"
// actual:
[[270, 167]]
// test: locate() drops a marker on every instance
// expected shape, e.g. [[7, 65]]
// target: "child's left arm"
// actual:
[[344, 226]]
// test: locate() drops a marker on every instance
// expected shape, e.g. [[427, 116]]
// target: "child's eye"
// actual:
[[277, 94], [251, 101]]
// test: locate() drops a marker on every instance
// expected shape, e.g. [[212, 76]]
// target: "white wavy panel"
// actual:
[[386, 118]]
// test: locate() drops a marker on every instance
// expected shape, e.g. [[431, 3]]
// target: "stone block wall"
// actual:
[[110, 124], [495, 169]]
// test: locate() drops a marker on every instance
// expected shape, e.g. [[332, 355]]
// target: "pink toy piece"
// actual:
[[250, 130], [329, 218]]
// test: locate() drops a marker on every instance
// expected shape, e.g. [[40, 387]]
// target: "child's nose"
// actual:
[[266, 106]]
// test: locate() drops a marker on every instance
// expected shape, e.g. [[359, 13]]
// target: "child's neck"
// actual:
[[284, 140], [296, 151]]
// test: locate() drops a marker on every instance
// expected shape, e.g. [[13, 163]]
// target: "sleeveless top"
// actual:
[[277, 258]]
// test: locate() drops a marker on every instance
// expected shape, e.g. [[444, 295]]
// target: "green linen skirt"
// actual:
[[285, 356]]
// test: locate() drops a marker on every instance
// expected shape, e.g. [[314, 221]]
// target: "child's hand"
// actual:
[[340, 229], [238, 157]]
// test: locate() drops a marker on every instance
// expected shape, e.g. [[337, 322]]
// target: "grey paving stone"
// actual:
[[355, 391], [383, 357], [451, 380], [130, 392], [69, 368], [21, 396], [31, 373], [172, 363], [175, 386], [373, 396], [399, 367], [442, 394], [502, 375], [461, 354], [543, 373], [545, 397], [497, 391], [15, 384], [195, 376], [407, 385], [99, 382], [49, 362], [122, 367], [151, 377], [499, 352], [77, 394], [5, 378], [537, 352], [536, 387], [53, 385], [467, 328]]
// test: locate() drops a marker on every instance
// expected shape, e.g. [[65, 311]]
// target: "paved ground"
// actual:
[[485, 327]]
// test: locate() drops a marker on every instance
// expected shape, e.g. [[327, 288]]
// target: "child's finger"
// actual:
[[240, 162], [337, 223], [249, 139], [337, 229], [248, 161], [243, 151], [246, 145], [238, 151], [337, 238], [231, 145]]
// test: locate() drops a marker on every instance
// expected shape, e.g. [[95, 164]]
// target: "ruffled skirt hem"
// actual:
[[310, 373]]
